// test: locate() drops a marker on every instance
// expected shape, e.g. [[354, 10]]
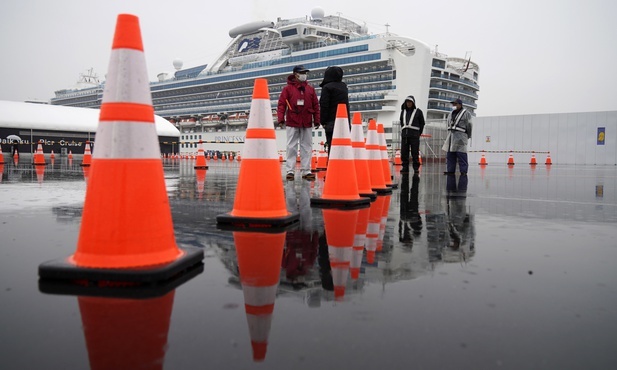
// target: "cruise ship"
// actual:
[[211, 102]]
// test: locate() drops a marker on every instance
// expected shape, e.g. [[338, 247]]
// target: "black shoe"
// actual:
[[404, 170], [448, 173], [290, 176], [309, 176], [463, 173]]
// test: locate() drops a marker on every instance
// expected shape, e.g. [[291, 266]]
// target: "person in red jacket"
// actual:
[[298, 110]]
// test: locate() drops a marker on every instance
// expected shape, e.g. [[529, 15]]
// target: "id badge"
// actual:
[[300, 102]]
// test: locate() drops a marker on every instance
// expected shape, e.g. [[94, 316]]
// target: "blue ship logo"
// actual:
[[248, 44]]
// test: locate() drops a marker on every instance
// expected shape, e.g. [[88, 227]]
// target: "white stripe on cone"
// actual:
[[126, 139], [260, 118], [127, 80]]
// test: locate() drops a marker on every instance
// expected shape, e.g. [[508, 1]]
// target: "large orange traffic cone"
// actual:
[[359, 243], [39, 156], [361, 158], [126, 333], [341, 185], [378, 182], [385, 162], [533, 160], [511, 159], [126, 230], [397, 158], [200, 161], [483, 160], [259, 263], [87, 155], [340, 228], [548, 159], [260, 199]]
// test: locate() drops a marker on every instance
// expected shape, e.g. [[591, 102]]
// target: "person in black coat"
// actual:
[[333, 92], [412, 125]]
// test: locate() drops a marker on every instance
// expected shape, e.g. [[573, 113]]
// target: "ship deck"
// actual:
[[531, 284]]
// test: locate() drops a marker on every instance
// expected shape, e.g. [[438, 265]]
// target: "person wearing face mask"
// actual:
[[412, 125], [298, 110], [459, 131]]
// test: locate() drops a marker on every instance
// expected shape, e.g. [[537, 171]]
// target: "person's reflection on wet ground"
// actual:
[[300, 243], [410, 218], [460, 246]]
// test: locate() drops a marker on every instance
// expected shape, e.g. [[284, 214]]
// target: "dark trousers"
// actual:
[[453, 157], [329, 134], [410, 144]]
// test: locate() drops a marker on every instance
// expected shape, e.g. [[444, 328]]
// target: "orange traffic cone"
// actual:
[[39, 157], [548, 159], [238, 157], [126, 230], [70, 157], [341, 185], [378, 183], [397, 158], [483, 160], [361, 158], [322, 160], [259, 263], [200, 161], [387, 174], [511, 159], [340, 233], [372, 231], [1, 155], [87, 155], [260, 199], [1, 171], [52, 156], [200, 175], [16, 155], [281, 160], [126, 333], [359, 243], [533, 161]]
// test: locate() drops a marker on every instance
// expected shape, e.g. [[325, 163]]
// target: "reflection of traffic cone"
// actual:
[[126, 333], [397, 158], [86, 172], [341, 185], [200, 175], [39, 157], [200, 161], [361, 158], [260, 199], [340, 233], [383, 222], [420, 158], [533, 161], [483, 160], [259, 263], [126, 229], [372, 231], [359, 243], [375, 166], [87, 155], [511, 159], [548, 159], [40, 174], [387, 174]]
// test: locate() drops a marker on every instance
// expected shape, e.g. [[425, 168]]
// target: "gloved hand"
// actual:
[[281, 124]]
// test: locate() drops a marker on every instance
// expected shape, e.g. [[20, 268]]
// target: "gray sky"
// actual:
[[535, 56]]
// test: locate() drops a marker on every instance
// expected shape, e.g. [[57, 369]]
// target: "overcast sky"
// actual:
[[535, 56]]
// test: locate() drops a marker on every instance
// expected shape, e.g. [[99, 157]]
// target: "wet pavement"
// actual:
[[508, 267]]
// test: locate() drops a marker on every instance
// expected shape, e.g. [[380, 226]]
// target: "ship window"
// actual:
[[290, 32]]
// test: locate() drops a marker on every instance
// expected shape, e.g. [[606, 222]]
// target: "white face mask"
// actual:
[[302, 77], [454, 107]]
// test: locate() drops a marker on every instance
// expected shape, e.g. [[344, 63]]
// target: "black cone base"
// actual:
[[278, 224]]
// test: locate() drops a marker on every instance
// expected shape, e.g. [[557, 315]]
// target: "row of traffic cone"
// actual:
[[510, 162]]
